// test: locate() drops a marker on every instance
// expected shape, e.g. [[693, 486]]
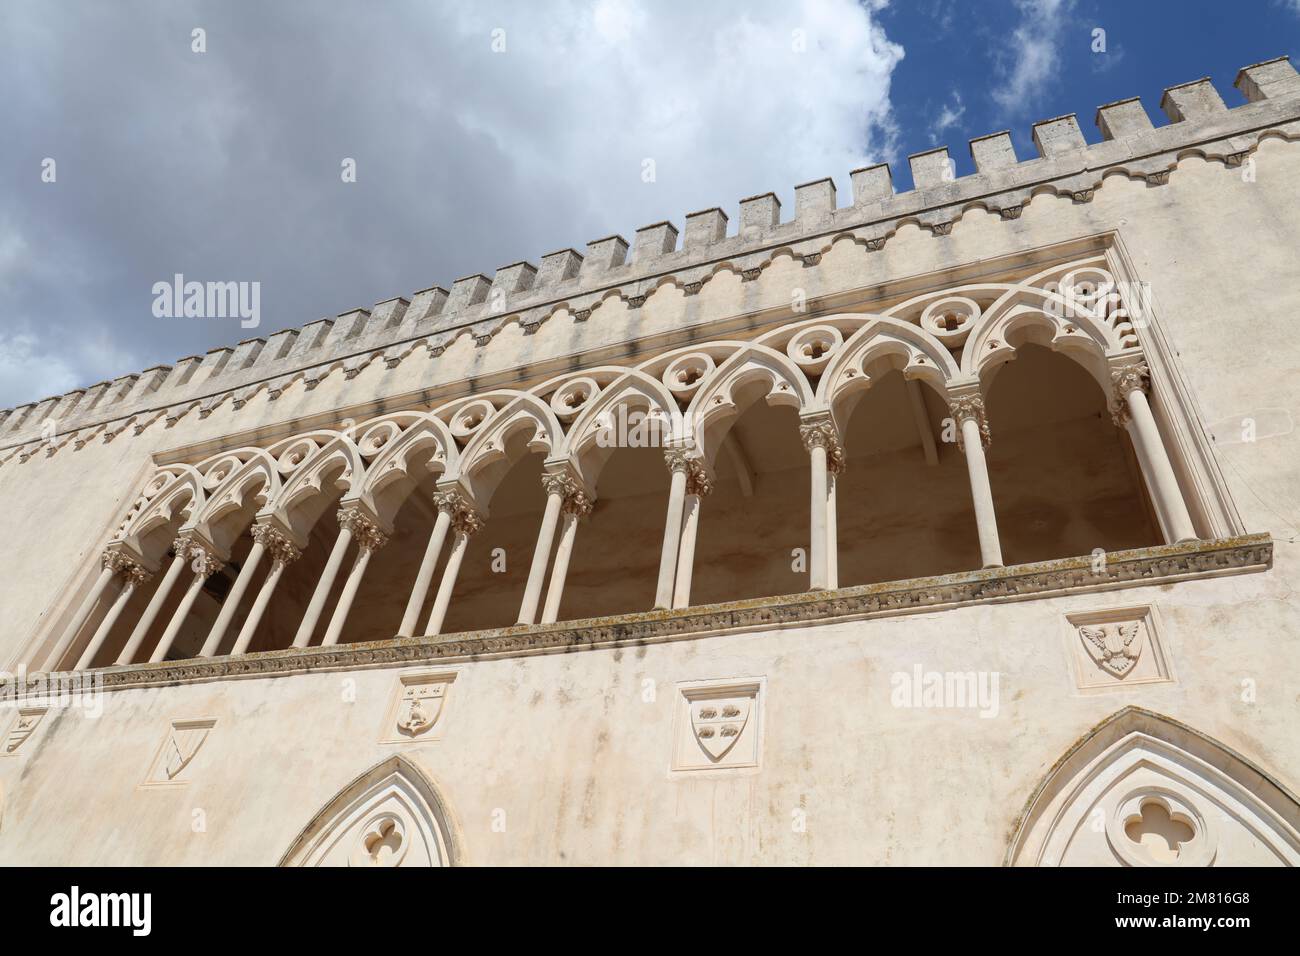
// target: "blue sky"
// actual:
[[963, 58], [224, 164]]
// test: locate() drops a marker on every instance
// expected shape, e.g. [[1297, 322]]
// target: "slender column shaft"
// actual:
[[541, 556], [323, 588], [563, 551], [686, 551], [342, 609], [178, 619], [79, 621], [982, 493], [259, 607], [425, 575], [155, 607], [231, 604], [1146, 440], [672, 539], [832, 534], [819, 542], [439, 613], [106, 625]]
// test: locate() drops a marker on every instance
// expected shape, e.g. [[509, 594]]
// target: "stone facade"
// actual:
[[952, 525]]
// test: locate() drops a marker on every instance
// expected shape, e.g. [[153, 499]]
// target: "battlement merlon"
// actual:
[[479, 305]]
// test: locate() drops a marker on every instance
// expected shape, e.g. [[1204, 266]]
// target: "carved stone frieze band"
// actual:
[[1135, 568]]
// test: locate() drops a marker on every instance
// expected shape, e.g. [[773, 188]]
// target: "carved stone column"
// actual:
[[326, 583], [558, 487], [1131, 410], [972, 438], [203, 563], [447, 503], [87, 607], [679, 463], [369, 539], [822, 440], [230, 606], [576, 507], [467, 522], [174, 571], [699, 484], [133, 575], [283, 552]]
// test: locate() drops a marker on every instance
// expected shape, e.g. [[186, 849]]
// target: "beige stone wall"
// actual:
[[566, 745]]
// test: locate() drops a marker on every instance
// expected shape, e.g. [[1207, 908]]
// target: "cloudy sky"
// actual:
[[484, 133]]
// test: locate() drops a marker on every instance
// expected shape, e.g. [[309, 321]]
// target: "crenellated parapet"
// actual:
[[575, 283]]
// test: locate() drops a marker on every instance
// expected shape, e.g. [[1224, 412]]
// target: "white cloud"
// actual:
[[725, 100], [949, 116], [1032, 59], [29, 371]]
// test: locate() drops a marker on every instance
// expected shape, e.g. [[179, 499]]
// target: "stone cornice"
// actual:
[[1140, 567]]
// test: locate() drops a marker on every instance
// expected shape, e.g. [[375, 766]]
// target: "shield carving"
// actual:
[[1115, 647], [420, 707], [182, 744], [718, 723]]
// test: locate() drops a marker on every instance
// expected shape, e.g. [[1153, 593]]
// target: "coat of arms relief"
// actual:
[[718, 725], [1117, 647], [417, 709]]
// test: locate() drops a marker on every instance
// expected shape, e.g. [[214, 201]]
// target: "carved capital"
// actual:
[[201, 560], [678, 459], [578, 504], [822, 434], [1127, 379], [1130, 378], [468, 521], [128, 568], [367, 534], [970, 408], [449, 501], [561, 485], [277, 544], [698, 480]]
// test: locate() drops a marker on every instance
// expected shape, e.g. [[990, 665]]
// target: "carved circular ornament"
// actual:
[[812, 348], [951, 319], [297, 453], [470, 417], [377, 436], [573, 396], [686, 373]]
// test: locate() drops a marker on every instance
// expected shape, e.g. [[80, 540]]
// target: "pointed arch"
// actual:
[[426, 445], [180, 496], [881, 345], [338, 462], [240, 481], [727, 392], [635, 391], [390, 815], [487, 456], [1224, 809], [1029, 314]]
